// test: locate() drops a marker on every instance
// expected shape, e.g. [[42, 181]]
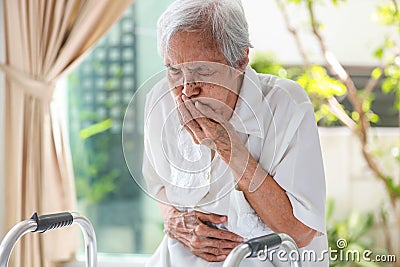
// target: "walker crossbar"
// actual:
[[252, 247], [44, 223]]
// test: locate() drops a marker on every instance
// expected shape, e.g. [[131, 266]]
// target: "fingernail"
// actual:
[[222, 257], [240, 239]]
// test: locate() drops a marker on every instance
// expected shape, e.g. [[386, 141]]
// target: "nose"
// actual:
[[191, 89]]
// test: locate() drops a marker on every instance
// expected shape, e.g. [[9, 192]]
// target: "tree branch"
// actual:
[[333, 104], [337, 110], [336, 68], [396, 7], [373, 82], [357, 102], [294, 33]]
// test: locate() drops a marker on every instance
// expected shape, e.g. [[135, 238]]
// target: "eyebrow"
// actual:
[[178, 67], [203, 65]]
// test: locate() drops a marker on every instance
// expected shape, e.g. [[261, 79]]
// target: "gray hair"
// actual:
[[224, 19]]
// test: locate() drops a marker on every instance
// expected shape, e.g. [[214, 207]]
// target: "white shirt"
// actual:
[[275, 120]]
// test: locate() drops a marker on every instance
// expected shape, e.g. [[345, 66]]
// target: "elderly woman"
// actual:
[[229, 153]]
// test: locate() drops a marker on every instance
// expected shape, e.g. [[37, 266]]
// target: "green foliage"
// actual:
[[385, 50], [96, 129], [337, 2], [316, 81], [392, 81], [94, 175], [393, 186], [267, 62], [319, 84], [367, 99], [353, 231], [387, 14], [376, 73], [320, 87], [94, 179], [334, 2]]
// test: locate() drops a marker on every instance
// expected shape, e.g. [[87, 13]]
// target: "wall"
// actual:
[[349, 180], [350, 33], [2, 56], [350, 183]]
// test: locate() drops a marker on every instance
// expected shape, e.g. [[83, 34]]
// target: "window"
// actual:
[[383, 104], [99, 90]]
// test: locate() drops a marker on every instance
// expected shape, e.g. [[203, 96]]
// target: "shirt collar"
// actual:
[[247, 116]]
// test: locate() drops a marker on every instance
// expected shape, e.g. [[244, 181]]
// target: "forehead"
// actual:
[[192, 46]]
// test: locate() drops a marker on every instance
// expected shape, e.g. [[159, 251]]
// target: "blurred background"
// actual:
[[345, 53]]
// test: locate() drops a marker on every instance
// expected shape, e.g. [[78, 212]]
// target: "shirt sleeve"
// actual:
[[300, 170]]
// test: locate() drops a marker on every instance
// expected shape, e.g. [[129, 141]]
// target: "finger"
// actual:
[[183, 240], [212, 251], [196, 131], [194, 137], [176, 226], [215, 121], [209, 112], [184, 115], [198, 123], [207, 125], [196, 114], [181, 121], [187, 120], [181, 231], [210, 217], [206, 231], [172, 234], [209, 251], [202, 242]]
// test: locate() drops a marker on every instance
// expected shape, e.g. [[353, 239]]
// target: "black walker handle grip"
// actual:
[[260, 243], [52, 221]]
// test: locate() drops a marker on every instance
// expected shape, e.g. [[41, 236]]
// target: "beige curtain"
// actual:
[[44, 39]]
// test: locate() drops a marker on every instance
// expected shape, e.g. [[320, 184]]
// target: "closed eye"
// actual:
[[204, 71], [173, 70]]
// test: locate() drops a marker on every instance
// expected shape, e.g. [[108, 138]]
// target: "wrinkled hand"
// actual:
[[190, 229], [210, 129]]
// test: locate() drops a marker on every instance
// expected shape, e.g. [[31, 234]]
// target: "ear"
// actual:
[[241, 66]]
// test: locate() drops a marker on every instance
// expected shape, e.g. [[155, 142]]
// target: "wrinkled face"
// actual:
[[198, 70]]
